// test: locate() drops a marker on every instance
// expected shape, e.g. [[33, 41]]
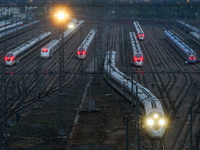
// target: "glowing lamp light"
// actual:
[[61, 15], [150, 122], [162, 122], [155, 116], [44, 50], [71, 26]]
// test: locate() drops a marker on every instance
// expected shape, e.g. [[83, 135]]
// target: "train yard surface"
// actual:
[[32, 102]]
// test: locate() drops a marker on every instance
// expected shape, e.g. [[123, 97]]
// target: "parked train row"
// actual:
[[4, 23], [193, 31], [155, 121], [48, 50], [10, 26], [18, 30], [195, 37], [83, 49], [188, 27], [13, 56]]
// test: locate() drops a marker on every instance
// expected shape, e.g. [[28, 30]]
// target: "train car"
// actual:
[[4, 23], [184, 50], [187, 27], [48, 50], [20, 29], [155, 119], [14, 25], [195, 36], [72, 23], [140, 32], [12, 56], [83, 49], [136, 50]]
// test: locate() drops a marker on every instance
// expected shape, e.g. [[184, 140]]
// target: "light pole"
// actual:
[[61, 18]]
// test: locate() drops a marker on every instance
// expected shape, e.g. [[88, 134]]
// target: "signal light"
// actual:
[[9, 58], [44, 50], [138, 59], [192, 58], [84, 52], [81, 52]]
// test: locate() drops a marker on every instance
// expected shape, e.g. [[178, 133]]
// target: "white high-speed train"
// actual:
[[140, 32], [82, 51], [137, 52], [155, 120], [184, 50], [10, 58], [48, 50]]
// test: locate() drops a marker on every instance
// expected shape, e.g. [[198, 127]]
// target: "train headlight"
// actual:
[[150, 122], [71, 26], [162, 122], [155, 116]]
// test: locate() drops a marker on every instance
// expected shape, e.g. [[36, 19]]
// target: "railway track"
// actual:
[[180, 104], [33, 83]]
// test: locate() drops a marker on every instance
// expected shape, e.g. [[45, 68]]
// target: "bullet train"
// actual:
[[195, 36], [140, 32], [187, 27], [72, 23], [14, 55], [184, 50], [10, 26], [20, 29], [83, 49], [155, 119], [5, 23], [137, 52], [48, 50]]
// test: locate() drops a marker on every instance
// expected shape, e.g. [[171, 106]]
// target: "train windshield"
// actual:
[[138, 57], [9, 57]]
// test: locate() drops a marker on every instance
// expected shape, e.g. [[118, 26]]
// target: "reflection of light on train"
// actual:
[[137, 52], [140, 32], [72, 23], [155, 121]]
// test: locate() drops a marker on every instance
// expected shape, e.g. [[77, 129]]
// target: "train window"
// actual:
[[153, 104]]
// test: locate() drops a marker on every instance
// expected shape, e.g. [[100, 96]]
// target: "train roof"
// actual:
[[175, 39]]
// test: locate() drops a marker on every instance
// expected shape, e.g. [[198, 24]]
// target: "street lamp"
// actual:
[[60, 19]]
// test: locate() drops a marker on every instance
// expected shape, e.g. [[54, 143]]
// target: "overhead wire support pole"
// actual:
[[99, 53], [62, 90], [4, 110], [23, 94], [137, 121], [191, 147]]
